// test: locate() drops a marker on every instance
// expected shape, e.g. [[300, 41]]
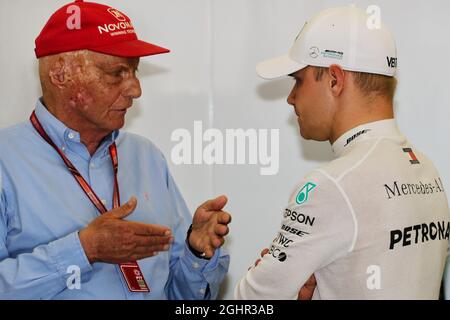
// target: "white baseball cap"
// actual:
[[345, 36]]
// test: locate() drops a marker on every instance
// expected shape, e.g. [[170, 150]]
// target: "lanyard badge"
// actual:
[[131, 271]]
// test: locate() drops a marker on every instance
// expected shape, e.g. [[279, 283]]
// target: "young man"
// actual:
[[373, 223]]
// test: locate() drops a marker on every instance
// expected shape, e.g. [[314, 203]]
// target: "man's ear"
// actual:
[[59, 73], [336, 79]]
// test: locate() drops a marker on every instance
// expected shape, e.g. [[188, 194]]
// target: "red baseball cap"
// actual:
[[91, 26]]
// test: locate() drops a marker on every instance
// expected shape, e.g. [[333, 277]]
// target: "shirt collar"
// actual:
[[60, 134], [369, 130]]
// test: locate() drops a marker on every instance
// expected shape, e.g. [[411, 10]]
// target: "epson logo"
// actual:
[[299, 217], [392, 62]]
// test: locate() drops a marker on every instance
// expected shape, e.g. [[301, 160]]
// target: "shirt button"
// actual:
[[104, 202], [63, 148], [196, 265], [92, 165], [202, 291], [71, 136]]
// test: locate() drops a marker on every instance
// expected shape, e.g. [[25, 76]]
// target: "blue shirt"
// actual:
[[42, 209]]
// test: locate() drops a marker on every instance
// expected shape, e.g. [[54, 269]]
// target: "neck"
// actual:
[[92, 142], [356, 113], [90, 135]]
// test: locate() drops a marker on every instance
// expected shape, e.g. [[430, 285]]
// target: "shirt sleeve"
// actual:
[[43, 272], [191, 278], [317, 228]]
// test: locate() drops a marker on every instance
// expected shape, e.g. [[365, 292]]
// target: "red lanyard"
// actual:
[[131, 271]]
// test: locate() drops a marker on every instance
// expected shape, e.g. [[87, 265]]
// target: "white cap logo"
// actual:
[[314, 52], [116, 13]]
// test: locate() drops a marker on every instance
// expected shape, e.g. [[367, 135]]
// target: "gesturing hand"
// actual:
[[111, 239], [209, 226]]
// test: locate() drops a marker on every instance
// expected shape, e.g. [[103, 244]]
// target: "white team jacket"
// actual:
[[372, 224]]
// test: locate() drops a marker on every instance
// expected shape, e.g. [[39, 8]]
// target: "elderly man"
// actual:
[[373, 223], [63, 231]]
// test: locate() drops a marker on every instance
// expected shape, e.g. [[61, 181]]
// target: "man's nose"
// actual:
[[291, 97], [133, 88]]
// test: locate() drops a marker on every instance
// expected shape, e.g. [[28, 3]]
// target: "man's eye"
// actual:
[[113, 77], [118, 73], [115, 73]]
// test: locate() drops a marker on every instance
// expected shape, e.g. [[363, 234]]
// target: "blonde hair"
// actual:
[[368, 83]]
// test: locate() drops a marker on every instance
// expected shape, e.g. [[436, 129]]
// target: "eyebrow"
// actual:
[[118, 66]]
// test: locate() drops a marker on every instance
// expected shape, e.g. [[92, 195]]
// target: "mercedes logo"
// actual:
[[314, 52]]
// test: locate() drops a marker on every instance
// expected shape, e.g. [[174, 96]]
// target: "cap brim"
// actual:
[[131, 49], [278, 67]]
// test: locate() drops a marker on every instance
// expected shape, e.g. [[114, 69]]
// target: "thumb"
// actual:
[[215, 204], [125, 210]]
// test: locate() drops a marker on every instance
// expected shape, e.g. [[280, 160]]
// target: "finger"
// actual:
[[264, 252], [311, 281], [217, 242], [123, 211], [221, 230], [140, 253], [209, 252], [224, 218], [137, 257], [145, 241], [150, 249], [215, 204], [144, 229], [305, 293]]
